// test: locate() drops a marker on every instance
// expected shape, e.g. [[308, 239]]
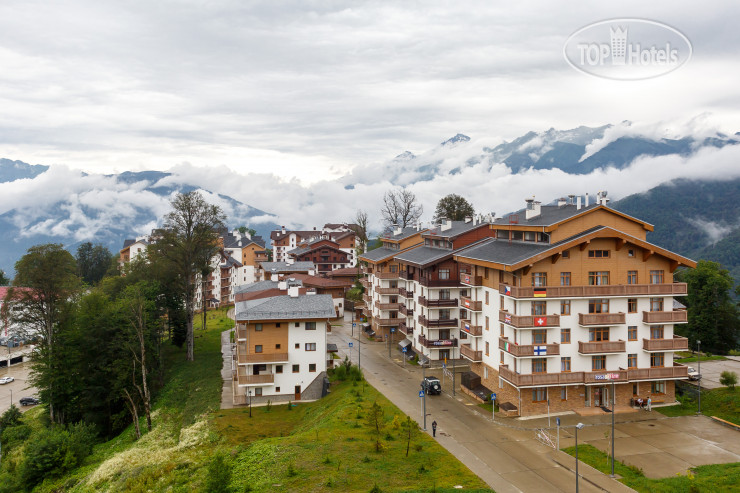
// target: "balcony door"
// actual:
[[298, 392], [444, 334]]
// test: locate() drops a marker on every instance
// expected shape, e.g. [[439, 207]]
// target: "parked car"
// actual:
[[431, 385], [693, 374], [5, 380], [28, 401]]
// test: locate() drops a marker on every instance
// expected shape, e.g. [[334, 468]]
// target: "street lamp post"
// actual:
[[614, 410], [698, 369], [249, 393], [578, 427]]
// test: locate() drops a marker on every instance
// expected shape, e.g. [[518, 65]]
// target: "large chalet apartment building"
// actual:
[[554, 303], [332, 247]]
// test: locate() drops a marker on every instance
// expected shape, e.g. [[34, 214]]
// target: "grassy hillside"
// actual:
[[323, 446]]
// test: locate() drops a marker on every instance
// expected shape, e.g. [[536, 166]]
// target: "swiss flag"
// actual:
[[540, 321]]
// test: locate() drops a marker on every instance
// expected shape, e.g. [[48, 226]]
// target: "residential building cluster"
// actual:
[[555, 305]]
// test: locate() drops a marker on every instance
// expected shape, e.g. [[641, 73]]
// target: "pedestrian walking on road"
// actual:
[[434, 428], [650, 404]]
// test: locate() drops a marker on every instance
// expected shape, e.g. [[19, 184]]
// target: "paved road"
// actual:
[[508, 459], [711, 370], [20, 387]]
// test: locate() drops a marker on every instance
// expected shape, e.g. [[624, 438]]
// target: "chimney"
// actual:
[[586, 204], [418, 226], [290, 260], [311, 291], [445, 224], [601, 198], [282, 229], [468, 219], [293, 291], [571, 199], [282, 285], [397, 230], [562, 201], [311, 272], [578, 203], [274, 275], [534, 208]]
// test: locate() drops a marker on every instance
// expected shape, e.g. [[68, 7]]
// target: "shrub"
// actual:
[[219, 475], [11, 417], [728, 379], [15, 434]]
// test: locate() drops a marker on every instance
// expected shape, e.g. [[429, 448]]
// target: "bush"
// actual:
[[11, 417], [219, 475], [728, 379], [14, 434]]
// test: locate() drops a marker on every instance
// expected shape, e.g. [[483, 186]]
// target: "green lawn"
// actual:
[[723, 403], [694, 359], [717, 477]]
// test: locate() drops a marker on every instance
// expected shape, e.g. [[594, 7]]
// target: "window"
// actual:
[[258, 392], [444, 273], [631, 277], [539, 279], [539, 365], [564, 336], [566, 253], [539, 394], [598, 362], [444, 294], [296, 368], [501, 357], [486, 348], [656, 277], [277, 324], [598, 306], [258, 348], [657, 360], [529, 236], [501, 302], [485, 273], [656, 304], [565, 278], [598, 254], [277, 346], [258, 327], [657, 387], [656, 332], [630, 253], [310, 325], [632, 360], [297, 324], [486, 297], [631, 305], [297, 345], [539, 336], [312, 367], [444, 314], [485, 372], [278, 368], [563, 393], [501, 329], [486, 322], [565, 307], [277, 389], [565, 363], [598, 278], [310, 346], [598, 334], [632, 333], [539, 308]]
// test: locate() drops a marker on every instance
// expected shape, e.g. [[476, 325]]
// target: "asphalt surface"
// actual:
[[20, 387]]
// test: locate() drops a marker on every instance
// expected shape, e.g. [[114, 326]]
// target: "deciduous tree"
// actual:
[[359, 227], [93, 261], [453, 207], [400, 207]]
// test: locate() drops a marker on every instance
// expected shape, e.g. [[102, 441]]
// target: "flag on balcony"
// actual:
[[507, 290], [540, 292], [540, 321], [507, 318], [507, 347], [540, 350]]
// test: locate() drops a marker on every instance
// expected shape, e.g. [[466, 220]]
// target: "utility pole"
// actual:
[[424, 397], [453, 377], [614, 410], [698, 361]]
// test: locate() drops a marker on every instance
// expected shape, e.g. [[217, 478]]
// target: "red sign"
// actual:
[[466, 303], [466, 278], [540, 321]]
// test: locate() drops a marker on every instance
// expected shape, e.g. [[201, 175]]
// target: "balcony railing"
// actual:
[[388, 306], [601, 347], [538, 379], [677, 343], [241, 333], [367, 299], [405, 329], [433, 323], [365, 282], [603, 376], [673, 317], [528, 321], [406, 293], [473, 330], [386, 275], [467, 352], [253, 358], [470, 280], [387, 321], [409, 312], [437, 343], [256, 379], [473, 306], [423, 301], [670, 372], [668, 289], [405, 275], [439, 283], [525, 350], [587, 319], [386, 290]]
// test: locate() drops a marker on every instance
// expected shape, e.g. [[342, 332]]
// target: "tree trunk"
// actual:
[[134, 413], [189, 308]]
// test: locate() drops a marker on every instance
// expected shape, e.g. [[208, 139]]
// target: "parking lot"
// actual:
[[18, 388], [711, 370]]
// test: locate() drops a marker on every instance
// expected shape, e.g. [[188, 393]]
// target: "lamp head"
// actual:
[[579, 426]]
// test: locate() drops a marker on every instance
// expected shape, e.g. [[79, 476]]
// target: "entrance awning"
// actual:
[[404, 343]]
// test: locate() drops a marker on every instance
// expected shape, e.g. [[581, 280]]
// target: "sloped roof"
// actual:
[[286, 308], [423, 255], [554, 214], [282, 267], [405, 233], [458, 228]]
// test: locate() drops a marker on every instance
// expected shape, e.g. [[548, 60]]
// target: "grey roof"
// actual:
[[458, 228], [230, 261], [423, 255], [405, 233], [256, 286], [232, 241], [286, 307], [551, 214], [285, 267], [677, 305], [127, 243], [378, 254]]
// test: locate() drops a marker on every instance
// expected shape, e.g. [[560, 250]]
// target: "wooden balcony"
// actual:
[[588, 319], [677, 343], [405, 275], [605, 376], [468, 304], [601, 347], [470, 280], [367, 299], [539, 379], [409, 312], [406, 293], [405, 329], [468, 328], [434, 323], [388, 306], [667, 373], [439, 283], [468, 353], [365, 282], [423, 301], [668, 289], [437, 343], [386, 290], [388, 321], [256, 358], [241, 333], [672, 317], [527, 350], [256, 379], [386, 275], [528, 321]]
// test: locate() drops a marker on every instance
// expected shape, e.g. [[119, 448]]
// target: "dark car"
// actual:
[[28, 401], [431, 385]]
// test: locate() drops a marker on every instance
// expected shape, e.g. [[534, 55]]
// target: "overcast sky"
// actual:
[[308, 90]]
